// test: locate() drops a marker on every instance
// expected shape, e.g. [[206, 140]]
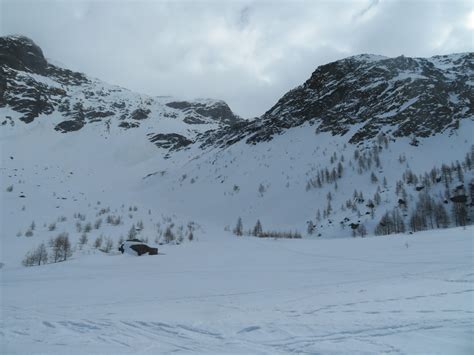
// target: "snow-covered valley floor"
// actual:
[[223, 294]]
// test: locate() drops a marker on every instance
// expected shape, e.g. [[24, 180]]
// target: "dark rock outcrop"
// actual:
[[215, 110], [140, 114], [127, 125], [172, 141], [21, 53], [69, 126]]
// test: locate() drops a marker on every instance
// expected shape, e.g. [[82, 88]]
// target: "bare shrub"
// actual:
[[61, 247], [98, 242], [98, 223], [108, 245], [169, 235], [83, 240], [37, 256], [88, 227]]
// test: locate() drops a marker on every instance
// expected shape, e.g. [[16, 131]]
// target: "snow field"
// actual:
[[224, 294]]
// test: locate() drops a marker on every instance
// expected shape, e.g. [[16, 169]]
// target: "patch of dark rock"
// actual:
[[127, 125], [69, 126], [179, 105], [169, 140], [119, 105], [140, 114], [193, 120], [94, 115], [217, 111], [21, 53]]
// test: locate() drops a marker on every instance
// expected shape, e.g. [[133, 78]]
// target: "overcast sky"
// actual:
[[248, 53]]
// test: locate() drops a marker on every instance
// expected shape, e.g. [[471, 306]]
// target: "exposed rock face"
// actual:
[[172, 141], [408, 96], [140, 114], [69, 126], [127, 125], [21, 53], [20, 56], [215, 110]]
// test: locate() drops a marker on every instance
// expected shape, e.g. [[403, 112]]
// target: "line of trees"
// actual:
[[390, 223], [325, 176], [59, 250], [257, 231]]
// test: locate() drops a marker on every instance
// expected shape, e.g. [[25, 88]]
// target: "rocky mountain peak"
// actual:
[[358, 96], [21, 53], [401, 96], [33, 89]]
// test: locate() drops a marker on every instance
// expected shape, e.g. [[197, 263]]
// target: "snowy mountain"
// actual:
[[402, 96], [32, 87], [331, 155], [335, 153], [368, 145]]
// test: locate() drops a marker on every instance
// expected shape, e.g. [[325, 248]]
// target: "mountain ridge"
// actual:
[[289, 168], [410, 96], [374, 91], [32, 87]]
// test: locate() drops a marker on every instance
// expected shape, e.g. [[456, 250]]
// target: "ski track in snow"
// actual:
[[409, 305]]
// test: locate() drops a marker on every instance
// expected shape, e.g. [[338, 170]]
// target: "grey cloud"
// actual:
[[248, 53]]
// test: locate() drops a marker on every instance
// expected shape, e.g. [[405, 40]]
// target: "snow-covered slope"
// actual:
[[276, 181], [404, 295]]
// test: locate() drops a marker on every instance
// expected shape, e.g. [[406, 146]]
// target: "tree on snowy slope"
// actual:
[[257, 230], [36, 257], [238, 230], [61, 247], [460, 213], [169, 235]]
